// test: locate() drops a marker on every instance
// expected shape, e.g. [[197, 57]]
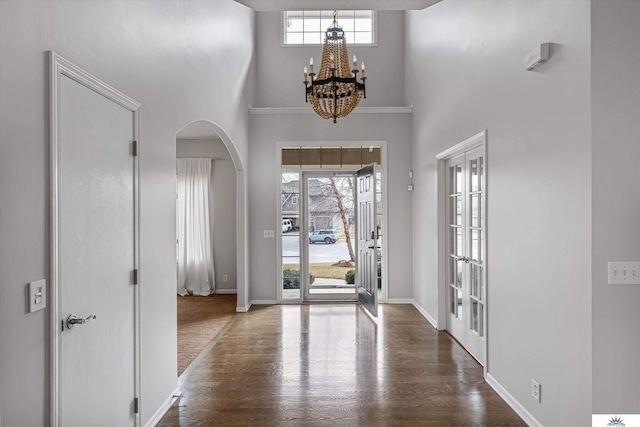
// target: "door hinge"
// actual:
[[62, 325], [135, 276], [134, 148], [136, 406]]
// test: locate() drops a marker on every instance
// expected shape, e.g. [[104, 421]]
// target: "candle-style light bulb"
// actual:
[[305, 74], [311, 65], [363, 69], [355, 62]]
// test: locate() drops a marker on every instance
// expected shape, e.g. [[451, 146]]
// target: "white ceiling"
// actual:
[[277, 5]]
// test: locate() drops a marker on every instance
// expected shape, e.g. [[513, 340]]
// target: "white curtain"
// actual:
[[195, 257]]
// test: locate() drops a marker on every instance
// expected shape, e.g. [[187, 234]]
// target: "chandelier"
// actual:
[[335, 91]]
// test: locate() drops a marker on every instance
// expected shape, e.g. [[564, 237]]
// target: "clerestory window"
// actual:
[[307, 27]]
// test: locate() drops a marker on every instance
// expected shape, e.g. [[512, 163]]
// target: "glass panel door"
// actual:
[[329, 230], [456, 271], [466, 290], [290, 212], [475, 235]]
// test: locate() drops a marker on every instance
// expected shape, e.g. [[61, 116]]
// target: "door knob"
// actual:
[[74, 320]]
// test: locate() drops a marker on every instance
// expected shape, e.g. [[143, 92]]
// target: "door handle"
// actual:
[[74, 320]]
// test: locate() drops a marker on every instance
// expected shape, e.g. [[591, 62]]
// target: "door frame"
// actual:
[[478, 140], [383, 294], [304, 232], [60, 67]]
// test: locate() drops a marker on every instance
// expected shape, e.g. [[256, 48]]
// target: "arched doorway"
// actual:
[[204, 129], [203, 144]]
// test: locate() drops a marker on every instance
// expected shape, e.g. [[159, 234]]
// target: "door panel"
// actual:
[[466, 290], [475, 234], [96, 257], [456, 275], [367, 236]]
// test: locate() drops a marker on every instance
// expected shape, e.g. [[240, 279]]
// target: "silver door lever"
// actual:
[[74, 320]]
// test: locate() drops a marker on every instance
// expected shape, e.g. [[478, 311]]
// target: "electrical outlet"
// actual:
[[225, 278], [536, 390]]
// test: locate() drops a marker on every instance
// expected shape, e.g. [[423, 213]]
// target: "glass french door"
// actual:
[[466, 234]]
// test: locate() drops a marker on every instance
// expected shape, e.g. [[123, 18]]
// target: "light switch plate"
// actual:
[[624, 273], [269, 233], [37, 295]]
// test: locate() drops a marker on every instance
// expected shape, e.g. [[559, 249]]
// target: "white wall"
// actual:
[[223, 215], [279, 69], [183, 60], [465, 65], [616, 203], [268, 130], [279, 84]]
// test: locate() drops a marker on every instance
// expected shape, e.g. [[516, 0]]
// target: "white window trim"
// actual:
[[374, 30]]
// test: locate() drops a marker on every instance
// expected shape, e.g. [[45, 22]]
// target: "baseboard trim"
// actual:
[[263, 302], [399, 301], [426, 315], [226, 291], [243, 309], [513, 402], [155, 419]]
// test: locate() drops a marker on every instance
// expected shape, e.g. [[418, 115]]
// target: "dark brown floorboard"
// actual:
[[200, 319], [331, 365]]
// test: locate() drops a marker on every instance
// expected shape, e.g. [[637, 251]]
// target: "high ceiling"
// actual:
[[277, 5]]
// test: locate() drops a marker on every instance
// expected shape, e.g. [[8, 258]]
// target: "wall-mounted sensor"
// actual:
[[410, 187], [538, 56], [410, 174]]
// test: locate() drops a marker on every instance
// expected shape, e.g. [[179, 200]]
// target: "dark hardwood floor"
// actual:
[[331, 365]]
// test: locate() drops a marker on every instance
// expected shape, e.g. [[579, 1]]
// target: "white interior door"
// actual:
[[95, 245], [466, 234], [367, 236]]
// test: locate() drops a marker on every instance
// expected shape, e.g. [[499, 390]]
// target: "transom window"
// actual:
[[307, 27], [330, 157]]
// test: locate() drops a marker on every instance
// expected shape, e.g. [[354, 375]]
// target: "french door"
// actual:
[[466, 234]]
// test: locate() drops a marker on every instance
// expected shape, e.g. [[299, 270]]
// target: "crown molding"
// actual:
[[308, 110]]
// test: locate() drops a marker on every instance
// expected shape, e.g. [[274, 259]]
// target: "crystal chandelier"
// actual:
[[335, 91]]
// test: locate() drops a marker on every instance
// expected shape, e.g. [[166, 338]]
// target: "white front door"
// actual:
[[367, 235], [466, 234], [94, 247]]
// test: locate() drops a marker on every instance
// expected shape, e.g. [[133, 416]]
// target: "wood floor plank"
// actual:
[[332, 365]]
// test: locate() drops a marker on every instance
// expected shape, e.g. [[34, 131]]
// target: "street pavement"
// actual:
[[318, 252]]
